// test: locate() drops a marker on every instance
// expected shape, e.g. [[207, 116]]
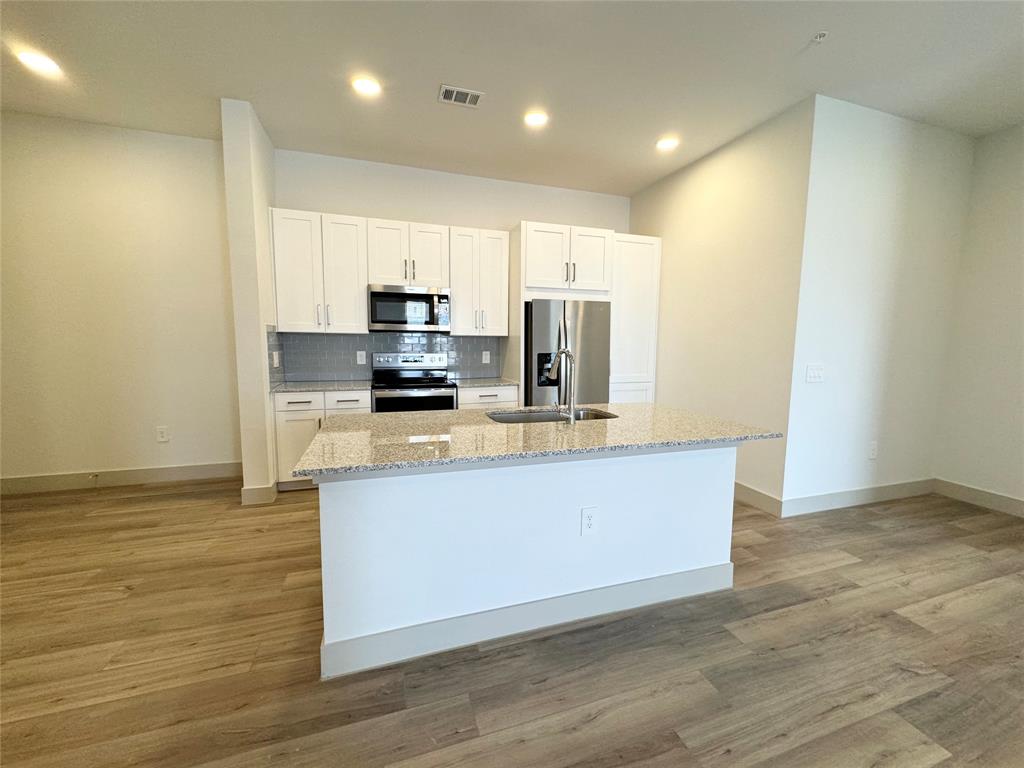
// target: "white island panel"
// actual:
[[419, 563]]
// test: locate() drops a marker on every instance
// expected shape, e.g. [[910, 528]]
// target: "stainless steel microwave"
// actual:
[[409, 308]]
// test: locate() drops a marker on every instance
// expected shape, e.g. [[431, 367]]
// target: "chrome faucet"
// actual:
[[571, 384]]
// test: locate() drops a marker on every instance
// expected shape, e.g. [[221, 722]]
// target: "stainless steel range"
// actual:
[[412, 381]]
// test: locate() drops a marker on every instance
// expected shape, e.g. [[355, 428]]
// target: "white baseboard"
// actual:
[[809, 504], [980, 497], [343, 657], [108, 478], [759, 499], [259, 494]]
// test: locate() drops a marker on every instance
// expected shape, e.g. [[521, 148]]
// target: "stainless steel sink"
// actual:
[[532, 417]]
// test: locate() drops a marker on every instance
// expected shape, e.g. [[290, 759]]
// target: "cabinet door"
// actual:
[[631, 393], [547, 255], [295, 431], [493, 283], [388, 251], [465, 259], [345, 273], [298, 270], [634, 320], [591, 255], [428, 255]]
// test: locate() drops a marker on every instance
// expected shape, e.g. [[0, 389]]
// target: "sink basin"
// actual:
[[532, 417]]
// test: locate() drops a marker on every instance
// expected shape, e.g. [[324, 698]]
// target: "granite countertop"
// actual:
[[321, 386], [498, 382], [362, 384], [399, 441]]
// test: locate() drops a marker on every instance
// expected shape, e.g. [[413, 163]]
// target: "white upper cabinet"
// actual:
[[428, 255], [479, 282], [492, 285], [634, 320], [547, 255], [464, 265], [590, 255], [388, 252], [568, 258], [345, 274], [298, 270]]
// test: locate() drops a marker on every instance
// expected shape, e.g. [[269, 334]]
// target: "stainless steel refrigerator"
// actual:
[[584, 327]]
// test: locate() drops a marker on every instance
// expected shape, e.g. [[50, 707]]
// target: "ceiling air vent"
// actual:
[[463, 97]]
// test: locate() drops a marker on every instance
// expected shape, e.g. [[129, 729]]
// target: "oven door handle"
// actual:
[[413, 392]]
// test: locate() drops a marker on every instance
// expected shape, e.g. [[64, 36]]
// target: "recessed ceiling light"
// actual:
[[40, 64], [667, 143], [536, 118], [366, 86]]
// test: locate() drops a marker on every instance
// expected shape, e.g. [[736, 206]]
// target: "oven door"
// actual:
[[399, 400], [408, 308]]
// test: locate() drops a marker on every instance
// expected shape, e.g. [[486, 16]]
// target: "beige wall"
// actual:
[[732, 226], [886, 207], [116, 300], [360, 188], [981, 417]]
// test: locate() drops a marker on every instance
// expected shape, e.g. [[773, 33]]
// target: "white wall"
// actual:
[[249, 189], [360, 188], [732, 227], [116, 300], [981, 418], [886, 205]]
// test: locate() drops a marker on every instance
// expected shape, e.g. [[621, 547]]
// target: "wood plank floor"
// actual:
[[167, 626]]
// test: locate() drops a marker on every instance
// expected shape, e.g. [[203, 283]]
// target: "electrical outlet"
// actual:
[[588, 521], [486, 357], [815, 374], [276, 358], [163, 435], [873, 449], [360, 357]]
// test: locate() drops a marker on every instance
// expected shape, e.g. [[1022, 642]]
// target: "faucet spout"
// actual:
[[570, 363]]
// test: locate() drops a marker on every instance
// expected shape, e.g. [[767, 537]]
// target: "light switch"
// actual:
[[277, 358], [815, 374], [486, 357], [360, 358]]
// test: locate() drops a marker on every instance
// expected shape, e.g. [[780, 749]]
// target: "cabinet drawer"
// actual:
[[471, 396], [298, 401], [345, 411], [347, 400]]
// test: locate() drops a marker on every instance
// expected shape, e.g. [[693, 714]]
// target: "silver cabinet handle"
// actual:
[[405, 269], [327, 308], [567, 271], [483, 318], [318, 315], [574, 272], [481, 397], [476, 318], [350, 400], [414, 269], [300, 402]]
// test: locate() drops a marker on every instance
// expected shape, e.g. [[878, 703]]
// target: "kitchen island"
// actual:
[[440, 529]]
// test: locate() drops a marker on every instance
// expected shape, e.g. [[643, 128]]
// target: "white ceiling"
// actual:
[[613, 75]]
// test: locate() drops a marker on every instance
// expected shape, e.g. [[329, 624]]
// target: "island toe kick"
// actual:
[[422, 563]]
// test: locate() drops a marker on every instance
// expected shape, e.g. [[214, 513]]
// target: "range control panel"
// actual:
[[410, 360]]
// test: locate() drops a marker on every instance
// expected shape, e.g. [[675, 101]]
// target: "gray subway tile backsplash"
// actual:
[[324, 357]]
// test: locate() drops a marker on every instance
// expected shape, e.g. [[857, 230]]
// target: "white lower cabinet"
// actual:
[[295, 431], [501, 396], [299, 415]]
